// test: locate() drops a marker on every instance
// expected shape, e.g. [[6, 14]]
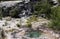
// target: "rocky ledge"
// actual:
[[9, 29]]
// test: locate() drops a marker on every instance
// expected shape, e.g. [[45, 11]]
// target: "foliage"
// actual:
[[14, 12], [42, 7], [31, 19], [10, 11], [29, 24], [55, 16]]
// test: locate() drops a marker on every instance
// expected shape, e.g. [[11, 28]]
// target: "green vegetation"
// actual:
[[31, 19], [29, 24], [14, 12], [9, 11], [42, 7], [55, 16]]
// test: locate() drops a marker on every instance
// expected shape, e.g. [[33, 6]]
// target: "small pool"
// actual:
[[34, 34]]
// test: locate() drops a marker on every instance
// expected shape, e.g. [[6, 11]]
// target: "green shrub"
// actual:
[[31, 19], [55, 16], [13, 12], [29, 24], [42, 7]]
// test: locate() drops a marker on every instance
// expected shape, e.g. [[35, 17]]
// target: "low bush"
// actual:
[[42, 7], [55, 16], [29, 24], [14, 12], [31, 19]]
